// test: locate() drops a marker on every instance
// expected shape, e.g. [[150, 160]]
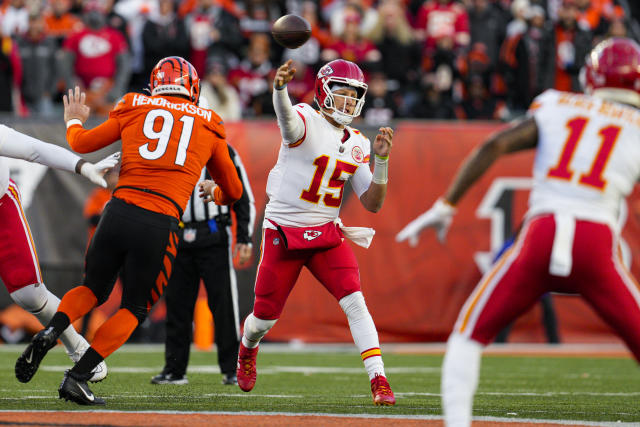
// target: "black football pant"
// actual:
[[213, 265]]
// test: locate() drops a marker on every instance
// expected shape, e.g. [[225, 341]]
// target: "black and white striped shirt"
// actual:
[[197, 210]]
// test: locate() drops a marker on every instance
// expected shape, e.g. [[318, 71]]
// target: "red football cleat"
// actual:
[[381, 390], [246, 370]]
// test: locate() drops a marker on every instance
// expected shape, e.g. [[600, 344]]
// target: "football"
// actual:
[[291, 31]]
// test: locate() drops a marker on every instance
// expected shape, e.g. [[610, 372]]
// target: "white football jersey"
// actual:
[[4, 177], [305, 187], [588, 155]]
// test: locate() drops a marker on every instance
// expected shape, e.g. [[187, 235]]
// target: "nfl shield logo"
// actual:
[[189, 235]]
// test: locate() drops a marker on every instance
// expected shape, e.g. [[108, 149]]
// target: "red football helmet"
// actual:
[[175, 75], [614, 66], [338, 74]]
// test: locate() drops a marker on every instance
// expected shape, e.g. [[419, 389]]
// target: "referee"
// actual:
[[204, 252]]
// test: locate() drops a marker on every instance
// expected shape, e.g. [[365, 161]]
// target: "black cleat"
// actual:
[[169, 378], [27, 364], [230, 379], [74, 388]]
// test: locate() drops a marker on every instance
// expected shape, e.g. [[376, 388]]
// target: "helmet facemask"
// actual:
[[342, 115]]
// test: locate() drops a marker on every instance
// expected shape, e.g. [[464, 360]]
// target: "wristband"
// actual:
[[380, 170], [72, 122], [79, 165], [279, 87]]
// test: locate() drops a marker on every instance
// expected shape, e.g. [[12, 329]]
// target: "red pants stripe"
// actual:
[[336, 269], [18, 258], [521, 277]]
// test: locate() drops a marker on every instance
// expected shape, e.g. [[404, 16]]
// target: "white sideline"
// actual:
[[363, 416]]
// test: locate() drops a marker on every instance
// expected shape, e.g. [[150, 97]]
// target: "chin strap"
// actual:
[[341, 118]]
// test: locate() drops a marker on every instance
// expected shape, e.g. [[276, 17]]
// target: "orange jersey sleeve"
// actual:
[[224, 173], [83, 140], [166, 141]]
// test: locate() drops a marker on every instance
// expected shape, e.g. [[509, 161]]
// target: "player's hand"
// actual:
[[383, 142], [284, 75], [206, 190], [95, 173], [74, 105], [439, 217], [243, 251]]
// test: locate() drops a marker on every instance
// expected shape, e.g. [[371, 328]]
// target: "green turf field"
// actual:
[[560, 388]]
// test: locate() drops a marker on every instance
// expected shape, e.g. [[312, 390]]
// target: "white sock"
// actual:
[[255, 329], [460, 371], [364, 333], [37, 299]]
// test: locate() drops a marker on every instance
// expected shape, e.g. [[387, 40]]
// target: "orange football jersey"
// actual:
[[166, 141]]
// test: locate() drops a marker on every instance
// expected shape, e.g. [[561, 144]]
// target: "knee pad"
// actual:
[[265, 309], [354, 306], [32, 298]]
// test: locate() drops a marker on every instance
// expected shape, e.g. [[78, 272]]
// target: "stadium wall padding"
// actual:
[[414, 294]]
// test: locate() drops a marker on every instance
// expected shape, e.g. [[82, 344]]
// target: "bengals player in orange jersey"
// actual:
[[166, 141]]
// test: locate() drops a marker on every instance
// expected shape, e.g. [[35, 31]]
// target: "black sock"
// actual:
[[59, 322], [87, 362]]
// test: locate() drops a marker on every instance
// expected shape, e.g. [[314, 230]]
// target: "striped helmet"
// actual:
[[175, 75]]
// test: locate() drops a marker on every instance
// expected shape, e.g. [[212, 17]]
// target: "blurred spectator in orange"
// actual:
[[98, 57], [352, 46], [213, 31], [223, 98], [394, 38], [338, 12], [479, 104], [164, 34], [564, 50], [520, 58], [15, 17], [252, 77], [595, 15], [618, 28], [442, 18], [60, 22], [38, 55], [380, 105]]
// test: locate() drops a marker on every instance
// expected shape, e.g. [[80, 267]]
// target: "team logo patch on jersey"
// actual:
[[357, 154], [276, 241], [311, 234]]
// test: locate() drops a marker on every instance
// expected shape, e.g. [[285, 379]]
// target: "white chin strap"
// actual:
[[342, 118]]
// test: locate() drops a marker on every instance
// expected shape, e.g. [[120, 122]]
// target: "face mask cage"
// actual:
[[342, 116]]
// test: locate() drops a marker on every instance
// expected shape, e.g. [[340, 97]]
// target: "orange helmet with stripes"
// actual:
[[176, 76]]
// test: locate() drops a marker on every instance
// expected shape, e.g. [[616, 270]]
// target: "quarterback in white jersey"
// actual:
[[19, 268], [587, 160], [318, 155]]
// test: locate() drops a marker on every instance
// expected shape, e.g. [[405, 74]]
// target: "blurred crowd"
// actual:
[[435, 59]]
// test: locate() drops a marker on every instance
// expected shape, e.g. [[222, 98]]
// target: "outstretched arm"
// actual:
[[521, 136], [20, 146], [292, 126], [373, 198]]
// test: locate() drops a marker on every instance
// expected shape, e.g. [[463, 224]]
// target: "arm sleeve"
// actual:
[[245, 207], [291, 123], [223, 172], [88, 140], [20, 146]]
